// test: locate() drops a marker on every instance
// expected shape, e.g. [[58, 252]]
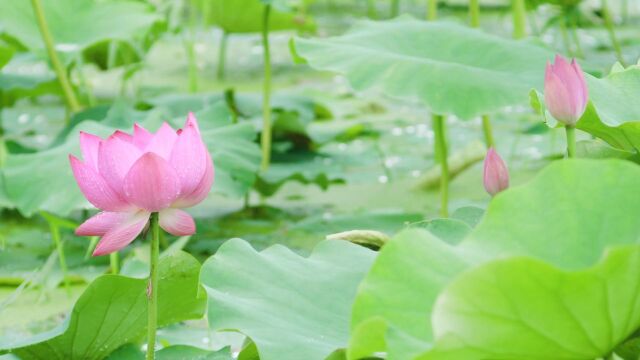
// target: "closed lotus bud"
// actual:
[[565, 91], [496, 174]]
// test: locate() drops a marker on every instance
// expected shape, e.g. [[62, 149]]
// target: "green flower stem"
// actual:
[[576, 38], [55, 236], [230, 100], [65, 84], [395, 8], [533, 24], [222, 55], [192, 68], [488, 133], [246, 203], [571, 141], [474, 13], [152, 288], [432, 10], [608, 23], [1, 126], [3, 150], [440, 151], [439, 130], [265, 139], [84, 83], [519, 13], [113, 51], [189, 43], [93, 241], [372, 12], [474, 21], [624, 10], [114, 262]]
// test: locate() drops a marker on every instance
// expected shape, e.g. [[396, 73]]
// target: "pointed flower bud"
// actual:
[[565, 91], [496, 174]]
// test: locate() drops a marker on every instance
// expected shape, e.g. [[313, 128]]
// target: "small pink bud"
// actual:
[[565, 91], [496, 174]]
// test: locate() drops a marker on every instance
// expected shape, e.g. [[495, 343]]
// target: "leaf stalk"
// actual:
[[571, 141], [519, 14], [265, 139], [70, 97], [441, 157]]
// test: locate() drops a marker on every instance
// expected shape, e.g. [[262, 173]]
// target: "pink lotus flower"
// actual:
[[129, 177], [565, 91], [496, 174]]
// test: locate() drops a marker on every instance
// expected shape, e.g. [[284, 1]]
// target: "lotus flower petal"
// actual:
[[151, 184], [580, 84], [557, 98], [563, 70], [115, 158], [89, 145], [202, 189], [141, 136], [122, 234], [101, 223], [574, 84], [189, 158], [95, 188], [123, 136], [191, 121], [177, 222], [162, 142]]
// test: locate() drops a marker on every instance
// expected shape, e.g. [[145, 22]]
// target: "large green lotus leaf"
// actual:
[[303, 167], [522, 308], [16, 84], [184, 352], [246, 16], [113, 311], [291, 307], [388, 221], [395, 299], [175, 352], [9, 82], [76, 24], [575, 209], [606, 119], [570, 218], [452, 69], [36, 181]]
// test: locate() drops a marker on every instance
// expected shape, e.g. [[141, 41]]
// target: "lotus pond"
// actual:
[[320, 179]]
